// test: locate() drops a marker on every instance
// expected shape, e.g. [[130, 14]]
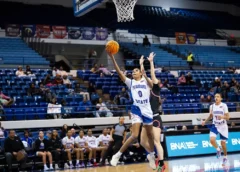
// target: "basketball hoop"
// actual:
[[125, 10]]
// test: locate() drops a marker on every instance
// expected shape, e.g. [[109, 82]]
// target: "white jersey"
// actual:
[[218, 110], [80, 141], [68, 142], [104, 139], [92, 141], [140, 94]]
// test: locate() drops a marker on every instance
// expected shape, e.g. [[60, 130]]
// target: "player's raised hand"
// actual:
[[151, 56], [110, 54], [141, 60]]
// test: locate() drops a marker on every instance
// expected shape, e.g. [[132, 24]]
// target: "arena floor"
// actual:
[[200, 164]]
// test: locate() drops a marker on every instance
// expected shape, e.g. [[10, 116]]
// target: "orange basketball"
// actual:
[[112, 47]]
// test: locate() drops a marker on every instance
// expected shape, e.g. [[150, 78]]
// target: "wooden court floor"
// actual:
[[142, 167]]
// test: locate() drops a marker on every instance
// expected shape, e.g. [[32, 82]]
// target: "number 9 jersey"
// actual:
[[140, 92]]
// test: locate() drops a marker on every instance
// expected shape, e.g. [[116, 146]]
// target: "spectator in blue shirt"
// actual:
[[85, 107]]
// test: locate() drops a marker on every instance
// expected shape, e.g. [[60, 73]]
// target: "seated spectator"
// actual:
[[91, 88], [54, 109], [54, 71], [206, 100], [47, 94], [79, 90], [233, 125], [195, 127], [33, 91], [57, 152], [224, 90], [123, 70], [14, 149], [189, 79], [28, 71], [217, 85], [182, 80], [47, 81], [64, 131], [2, 132], [5, 100], [211, 92], [112, 106], [231, 70], [233, 82], [66, 81], [104, 140], [146, 42], [68, 145], [27, 142], [94, 69], [58, 80], [164, 70], [124, 97], [49, 135], [20, 72], [102, 110], [104, 70], [85, 106], [184, 127], [61, 72], [235, 89], [92, 144], [42, 147], [81, 143]]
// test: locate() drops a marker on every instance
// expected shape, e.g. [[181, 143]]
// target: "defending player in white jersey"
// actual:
[[81, 143], [141, 112], [219, 115]]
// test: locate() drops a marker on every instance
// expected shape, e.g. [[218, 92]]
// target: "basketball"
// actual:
[[112, 47]]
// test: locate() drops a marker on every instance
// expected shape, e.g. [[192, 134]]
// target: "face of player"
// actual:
[[108, 130], [218, 98], [136, 74], [89, 133], [41, 134], [26, 134], [69, 133], [55, 133], [105, 132], [121, 120], [81, 133]]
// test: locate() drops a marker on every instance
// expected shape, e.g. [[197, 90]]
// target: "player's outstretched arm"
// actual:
[[121, 75], [152, 69], [149, 81]]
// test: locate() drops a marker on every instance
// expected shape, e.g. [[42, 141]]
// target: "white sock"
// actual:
[[65, 164], [225, 157], [218, 149], [51, 166], [45, 166], [118, 154], [77, 161], [94, 160], [70, 162]]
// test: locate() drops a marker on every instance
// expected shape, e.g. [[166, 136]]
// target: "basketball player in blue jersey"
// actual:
[[141, 112], [219, 115], [155, 102]]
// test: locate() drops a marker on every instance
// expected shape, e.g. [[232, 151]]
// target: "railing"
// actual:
[[33, 113]]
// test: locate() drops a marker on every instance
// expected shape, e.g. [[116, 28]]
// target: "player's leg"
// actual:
[[69, 155], [213, 136], [77, 152], [157, 143], [81, 153], [89, 151], [43, 155], [94, 155], [224, 137], [49, 155], [136, 120]]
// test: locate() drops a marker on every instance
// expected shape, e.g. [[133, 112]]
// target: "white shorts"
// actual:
[[222, 130], [138, 117]]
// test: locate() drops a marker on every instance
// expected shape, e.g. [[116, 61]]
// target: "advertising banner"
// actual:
[[59, 32], [181, 38], [28, 30], [191, 38], [74, 32], [43, 31], [12, 30], [88, 33], [198, 144], [101, 33]]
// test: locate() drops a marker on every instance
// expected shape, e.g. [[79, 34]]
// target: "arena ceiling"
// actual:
[[234, 2]]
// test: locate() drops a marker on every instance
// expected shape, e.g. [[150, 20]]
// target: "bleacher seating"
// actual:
[[163, 58], [210, 56], [15, 51]]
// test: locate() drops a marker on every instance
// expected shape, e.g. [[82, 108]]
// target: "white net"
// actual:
[[125, 10]]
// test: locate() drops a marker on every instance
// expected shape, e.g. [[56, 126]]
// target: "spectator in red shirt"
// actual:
[[182, 80]]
